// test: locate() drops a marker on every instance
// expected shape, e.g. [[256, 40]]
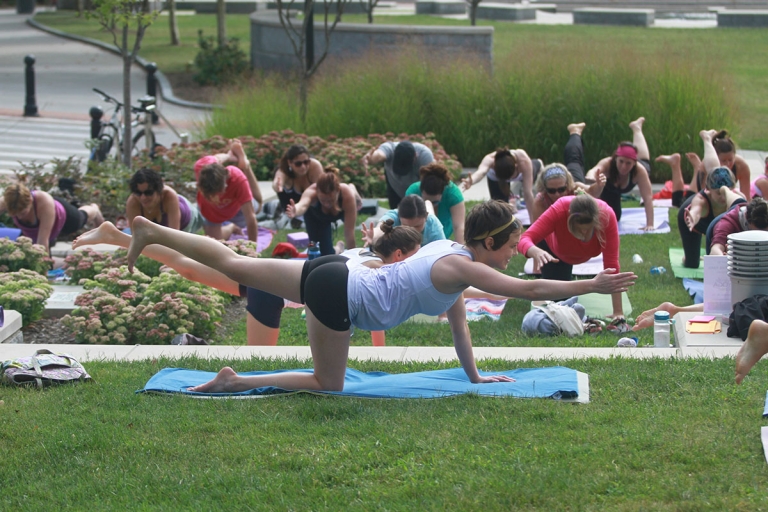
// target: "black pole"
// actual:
[[309, 13], [30, 103], [96, 114], [152, 87]]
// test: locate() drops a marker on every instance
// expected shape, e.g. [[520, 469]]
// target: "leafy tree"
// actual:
[[126, 20]]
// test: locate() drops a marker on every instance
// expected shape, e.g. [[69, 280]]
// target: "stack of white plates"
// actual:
[[748, 264], [748, 254]]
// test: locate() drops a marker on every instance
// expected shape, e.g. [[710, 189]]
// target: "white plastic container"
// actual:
[[661, 329]]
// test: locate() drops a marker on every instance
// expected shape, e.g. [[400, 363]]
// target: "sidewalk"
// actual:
[[86, 353]]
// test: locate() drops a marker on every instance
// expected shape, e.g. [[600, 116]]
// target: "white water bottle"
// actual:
[[661, 329]]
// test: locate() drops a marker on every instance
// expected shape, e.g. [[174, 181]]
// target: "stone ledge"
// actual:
[[441, 7], [506, 12], [598, 16], [742, 18], [10, 332]]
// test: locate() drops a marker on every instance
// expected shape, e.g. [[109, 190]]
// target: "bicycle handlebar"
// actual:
[[107, 97]]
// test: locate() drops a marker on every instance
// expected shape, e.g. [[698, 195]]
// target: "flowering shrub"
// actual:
[[121, 283], [86, 264], [23, 254], [101, 318], [243, 247], [25, 291], [176, 163], [174, 305]]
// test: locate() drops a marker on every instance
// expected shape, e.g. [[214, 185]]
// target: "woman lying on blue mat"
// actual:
[[264, 309], [339, 295]]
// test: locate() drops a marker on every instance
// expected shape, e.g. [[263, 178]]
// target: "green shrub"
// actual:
[[101, 318], [130, 286], [218, 65], [173, 305], [86, 264], [25, 291], [527, 102], [23, 254]]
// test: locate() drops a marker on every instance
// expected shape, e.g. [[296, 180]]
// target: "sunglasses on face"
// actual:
[[559, 190], [145, 192], [300, 163]]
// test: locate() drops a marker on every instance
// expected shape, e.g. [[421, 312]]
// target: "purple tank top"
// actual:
[[32, 231], [184, 212]]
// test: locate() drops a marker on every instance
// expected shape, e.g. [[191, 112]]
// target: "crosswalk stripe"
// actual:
[[40, 140]]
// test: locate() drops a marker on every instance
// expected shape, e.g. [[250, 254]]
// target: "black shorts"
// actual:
[[76, 218], [265, 307], [323, 289]]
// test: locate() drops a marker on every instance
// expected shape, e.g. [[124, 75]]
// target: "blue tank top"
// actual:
[[383, 298]]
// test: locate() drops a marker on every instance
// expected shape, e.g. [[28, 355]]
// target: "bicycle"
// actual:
[[109, 141], [110, 137]]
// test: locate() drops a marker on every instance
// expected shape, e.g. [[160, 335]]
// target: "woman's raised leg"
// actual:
[[710, 160], [279, 277], [638, 139], [574, 152]]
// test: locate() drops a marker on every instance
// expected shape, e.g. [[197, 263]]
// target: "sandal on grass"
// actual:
[[593, 326], [618, 326]]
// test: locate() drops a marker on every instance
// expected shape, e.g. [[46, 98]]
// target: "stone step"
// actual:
[[62, 300], [10, 332]]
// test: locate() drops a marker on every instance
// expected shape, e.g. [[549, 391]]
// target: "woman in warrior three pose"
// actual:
[[339, 295]]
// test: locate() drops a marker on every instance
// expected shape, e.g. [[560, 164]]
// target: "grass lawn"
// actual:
[[741, 54], [657, 435]]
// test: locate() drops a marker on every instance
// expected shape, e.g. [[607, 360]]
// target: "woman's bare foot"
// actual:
[[237, 151], [753, 349], [221, 383], [672, 160], [104, 234], [707, 135], [694, 159], [576, 128], [141, 237], [637, 124]]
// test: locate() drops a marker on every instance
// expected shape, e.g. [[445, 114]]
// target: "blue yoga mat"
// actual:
[[556, 382], [10, 233]]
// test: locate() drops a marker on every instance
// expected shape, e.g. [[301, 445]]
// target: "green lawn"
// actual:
[[657, 435], [740, 54]]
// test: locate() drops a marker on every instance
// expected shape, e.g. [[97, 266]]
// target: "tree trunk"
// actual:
[[127, 135], [303, 85], [221, 22], [80, 6], [172, 23], [473, 13], [371, 5]]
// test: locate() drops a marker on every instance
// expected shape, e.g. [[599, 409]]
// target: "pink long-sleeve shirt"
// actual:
[[552, 226]]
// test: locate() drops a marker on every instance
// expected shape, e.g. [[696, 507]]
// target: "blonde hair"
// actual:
[[17, 198], [547, 174], [585, 210]]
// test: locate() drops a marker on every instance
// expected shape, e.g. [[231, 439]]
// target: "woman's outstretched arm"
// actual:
[[462, 342]]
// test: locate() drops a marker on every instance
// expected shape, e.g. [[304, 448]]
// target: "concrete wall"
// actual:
[[272, 50]]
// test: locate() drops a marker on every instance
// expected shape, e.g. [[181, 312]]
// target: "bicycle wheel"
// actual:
[[140, 143]]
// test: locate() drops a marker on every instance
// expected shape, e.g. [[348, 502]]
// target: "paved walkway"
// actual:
[[390, 354]]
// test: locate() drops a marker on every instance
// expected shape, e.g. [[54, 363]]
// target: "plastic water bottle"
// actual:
[[313, 251], [658, 270], [661, 329]]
